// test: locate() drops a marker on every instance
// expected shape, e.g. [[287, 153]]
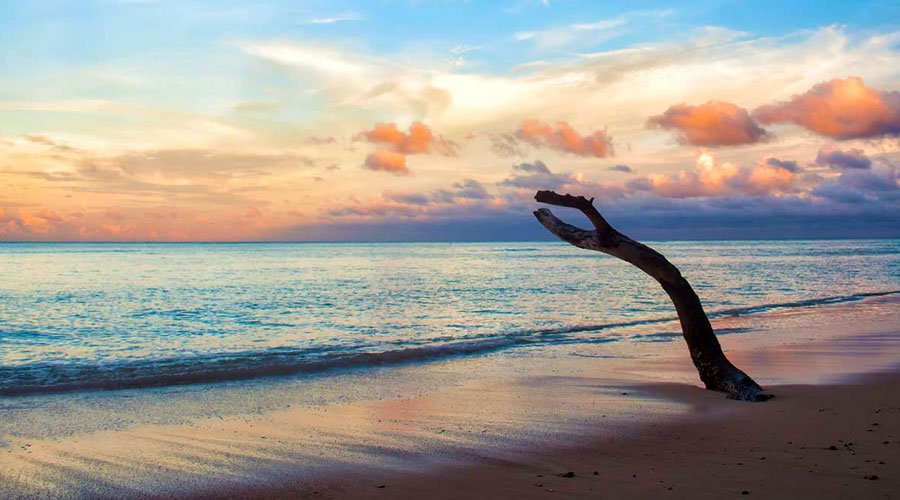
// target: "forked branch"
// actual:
[[714, 368]]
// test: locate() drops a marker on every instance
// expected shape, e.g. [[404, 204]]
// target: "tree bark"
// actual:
[[716, 372]]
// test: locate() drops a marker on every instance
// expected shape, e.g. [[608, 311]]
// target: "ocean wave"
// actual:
[[41, 378]]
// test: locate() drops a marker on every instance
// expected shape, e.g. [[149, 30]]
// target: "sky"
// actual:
[[186, 120]]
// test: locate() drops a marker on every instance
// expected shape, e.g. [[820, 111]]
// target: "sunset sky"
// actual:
[[438, 120]]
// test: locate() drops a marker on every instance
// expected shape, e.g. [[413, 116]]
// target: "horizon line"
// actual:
[[547, 240]]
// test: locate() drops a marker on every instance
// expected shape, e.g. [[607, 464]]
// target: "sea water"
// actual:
[[107, 315]]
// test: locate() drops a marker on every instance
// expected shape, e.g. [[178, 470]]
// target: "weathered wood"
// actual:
[[714, 368]]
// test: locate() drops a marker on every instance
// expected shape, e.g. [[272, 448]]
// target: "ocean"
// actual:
[[84, 316]]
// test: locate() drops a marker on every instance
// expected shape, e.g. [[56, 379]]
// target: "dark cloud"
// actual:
[[643, 217], [790, 166], [621, 168], [537, 167], [408, 198], [535, 175], [852, 159], [876, 186], [880, 179], [836, 192], [858, 203], [470, 189]]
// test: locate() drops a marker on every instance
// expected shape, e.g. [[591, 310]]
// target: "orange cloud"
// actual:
[[387, 161], [564, 138], [712, 179], [715, 123], [398, 144], [841, 109], [419, 140]]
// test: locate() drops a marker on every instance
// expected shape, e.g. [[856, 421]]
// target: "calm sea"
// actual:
[[81, 316]]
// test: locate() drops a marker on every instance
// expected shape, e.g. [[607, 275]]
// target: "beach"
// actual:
[[441, 250], [499, 425], [826, 441]]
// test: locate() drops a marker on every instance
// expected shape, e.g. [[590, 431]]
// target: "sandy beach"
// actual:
[[827, 441], [499, 426], [444, 250]]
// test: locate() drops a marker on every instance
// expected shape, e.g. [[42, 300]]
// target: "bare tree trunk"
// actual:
[[714, 368]]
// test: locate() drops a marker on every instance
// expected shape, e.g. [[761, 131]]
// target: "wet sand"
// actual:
[[499, 426], [826, 441]]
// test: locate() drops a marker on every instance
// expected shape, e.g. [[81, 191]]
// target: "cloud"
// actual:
[[467, 189], [840, 109], [387, 161], [715, 123], [537, 167], [465, 198], [408, 198], [564, 138], [461, 192], [750, 201], [419, 140], [789, 165], [829, 156], [710, 178], [526, 178], [584, 33], [506, 145], [878, 184], [535, 175], [621, 168], [624, 85], [339, 18]]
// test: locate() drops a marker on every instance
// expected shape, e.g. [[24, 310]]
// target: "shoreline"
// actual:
[[477, 427]]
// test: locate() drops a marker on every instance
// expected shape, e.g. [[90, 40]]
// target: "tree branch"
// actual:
[[581, 203], [714, 368], [581, 238]]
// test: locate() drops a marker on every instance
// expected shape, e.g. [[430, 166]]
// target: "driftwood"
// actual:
[[714, 368]]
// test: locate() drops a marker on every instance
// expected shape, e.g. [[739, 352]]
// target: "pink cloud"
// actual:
[[396, 145], [840, 109], [387, 161], [715, 123], [419, 140], [563, 137], [713, 179]]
